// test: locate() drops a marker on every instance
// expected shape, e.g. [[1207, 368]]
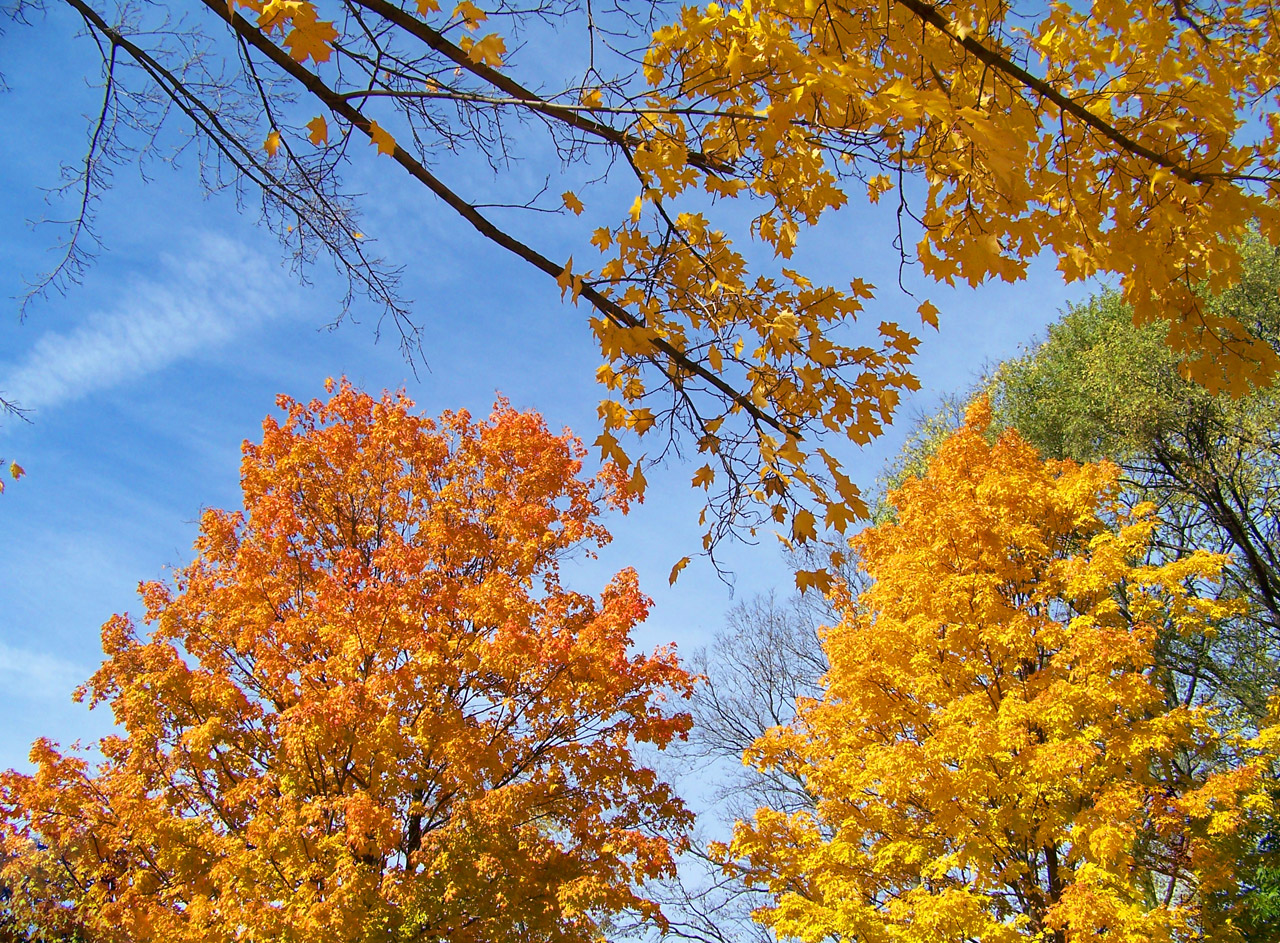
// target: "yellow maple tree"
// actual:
[[1136, 138], [990, 758], [369, 710]]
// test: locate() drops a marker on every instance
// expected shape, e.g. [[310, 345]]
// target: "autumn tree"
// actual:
[[1130, 137], [991, 757], [1101, 387], [368, 710]]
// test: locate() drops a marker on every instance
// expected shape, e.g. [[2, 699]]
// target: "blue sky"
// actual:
[[144, 380]]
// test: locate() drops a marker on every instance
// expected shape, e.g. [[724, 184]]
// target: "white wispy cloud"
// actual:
[[196, 301], [33, 675]]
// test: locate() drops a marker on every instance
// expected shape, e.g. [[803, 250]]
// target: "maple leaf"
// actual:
[[641, 420], [877, 186], [311, 41], [803, 525], [572, 202], [565, 279], [272, 143], [839, 515], [813, 579], [929, 314], [488, 50], [472, 15], [381, 139], [319, 130], [638, 481]]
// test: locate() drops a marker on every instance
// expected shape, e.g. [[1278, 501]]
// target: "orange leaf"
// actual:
[[319, 129], [381, 138]]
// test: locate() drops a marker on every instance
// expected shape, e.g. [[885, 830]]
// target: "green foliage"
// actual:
[[1262, 901], [1099, 387]]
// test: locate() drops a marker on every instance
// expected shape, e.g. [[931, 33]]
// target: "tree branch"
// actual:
[[930, 15], [341, 107]]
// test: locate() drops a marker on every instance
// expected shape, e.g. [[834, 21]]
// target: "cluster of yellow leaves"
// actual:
[[1141, 166], [1142, 162], [991, 759], [1135, 137], [305, 35], [368, 710], [488, 49], [777, 336]]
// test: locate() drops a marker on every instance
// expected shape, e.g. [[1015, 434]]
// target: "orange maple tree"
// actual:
[[992, 758], [369, 710]]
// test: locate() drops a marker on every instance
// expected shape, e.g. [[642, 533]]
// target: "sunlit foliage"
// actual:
[[991, 757], [368, 710], [1133, 138]]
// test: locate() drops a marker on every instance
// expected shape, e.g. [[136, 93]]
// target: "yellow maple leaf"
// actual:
[[319, 129], [272, 143], [675, 570], [877, 186], [813, 579], [929, 314], [472, 15], [803, 526], [381, 138], [611, 451], [572, 202], [427, 6], [565, 278], [642, 420], [839, 515], [488, 50], [310, 39], [638, 482]]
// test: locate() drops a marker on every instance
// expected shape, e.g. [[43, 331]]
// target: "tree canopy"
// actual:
[[1101, 387], [368, 710], [1133, 138], [992, 757]]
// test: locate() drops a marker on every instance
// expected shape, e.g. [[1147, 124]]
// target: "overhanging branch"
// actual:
[[343, 108]]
